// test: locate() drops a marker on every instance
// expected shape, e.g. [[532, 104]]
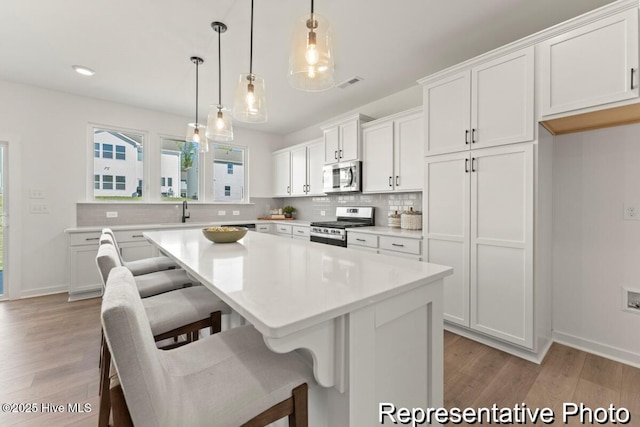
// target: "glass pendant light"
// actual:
[[311, 60], [219, 124], [195, 131], [250, 104]]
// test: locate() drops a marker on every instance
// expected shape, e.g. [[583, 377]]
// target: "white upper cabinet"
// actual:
[[342, 139], [592, 65], [392, 153], [298, 170], [490, 104], [282, 173]]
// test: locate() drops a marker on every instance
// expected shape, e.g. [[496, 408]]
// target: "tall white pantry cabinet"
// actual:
[[482, 196]]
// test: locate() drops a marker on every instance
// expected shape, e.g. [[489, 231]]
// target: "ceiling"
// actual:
[[140, 49]]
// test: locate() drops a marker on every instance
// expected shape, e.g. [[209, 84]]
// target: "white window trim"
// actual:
[[209, 173]]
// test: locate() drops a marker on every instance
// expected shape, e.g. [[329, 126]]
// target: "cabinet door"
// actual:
[[315, 162], [331, 145], [349, 141], [281, 173], [299, 171], [502, 243], [377, 158], [133, 251], [502, 100], [83, 273], [592, 65], [446, 228], [408, 153], [447, 114]]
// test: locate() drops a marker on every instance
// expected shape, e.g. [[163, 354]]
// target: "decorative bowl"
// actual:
[[224, 234]]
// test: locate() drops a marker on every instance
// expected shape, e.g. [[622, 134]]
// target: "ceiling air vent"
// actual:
[[350, 82]]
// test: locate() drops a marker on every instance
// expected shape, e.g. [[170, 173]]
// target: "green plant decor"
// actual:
[[288, 211]]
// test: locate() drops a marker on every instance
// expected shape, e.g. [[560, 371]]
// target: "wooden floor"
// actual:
[[49, 354]]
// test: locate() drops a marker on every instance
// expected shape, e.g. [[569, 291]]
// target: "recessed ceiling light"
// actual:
[[83, 70]]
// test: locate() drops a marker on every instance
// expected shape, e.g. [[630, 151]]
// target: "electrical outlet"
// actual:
[[39, 208], [35, 193], [323, 213], [112, 214], [631, 212], [236, 213], [222, 213]]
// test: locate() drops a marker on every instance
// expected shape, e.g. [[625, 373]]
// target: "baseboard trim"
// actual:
[[44, 291], [535, 357], [606, 351]]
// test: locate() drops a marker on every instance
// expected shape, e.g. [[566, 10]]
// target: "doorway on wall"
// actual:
[[4, 208]]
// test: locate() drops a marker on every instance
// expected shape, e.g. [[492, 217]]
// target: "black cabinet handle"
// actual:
[[137, 235], [335, 154], [397, 180], [473, 136], [473, 167], [361, 240], [632, 74], [390, 181], [88, 239], [340, 153], [397, 244], [288, 189], [466, 165], [466, 136]]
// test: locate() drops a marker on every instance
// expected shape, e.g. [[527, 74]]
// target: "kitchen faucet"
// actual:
[[184, 210]]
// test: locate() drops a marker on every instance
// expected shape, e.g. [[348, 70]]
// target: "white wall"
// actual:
[[595, 252], [399, 101], [51, 131]]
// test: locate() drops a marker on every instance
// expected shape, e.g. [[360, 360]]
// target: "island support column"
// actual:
[[396, 354]]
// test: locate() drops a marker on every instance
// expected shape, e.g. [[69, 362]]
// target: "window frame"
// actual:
[[210, 174]]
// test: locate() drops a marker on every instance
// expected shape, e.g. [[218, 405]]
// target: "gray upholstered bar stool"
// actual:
[[170, 315], [148, 284], [228, 379], [140, 266]]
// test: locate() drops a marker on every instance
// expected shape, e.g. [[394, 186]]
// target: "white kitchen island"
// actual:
[[372, 324]]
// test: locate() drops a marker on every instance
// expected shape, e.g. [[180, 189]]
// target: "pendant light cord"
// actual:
[[312, 7], [219, 73], [197, 65], [251, 43]]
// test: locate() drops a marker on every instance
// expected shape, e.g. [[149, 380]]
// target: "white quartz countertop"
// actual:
[[180, 225], [286, 285], [388, 231]]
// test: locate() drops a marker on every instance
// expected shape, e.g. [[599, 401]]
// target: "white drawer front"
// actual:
[[130, 236], [89, 238], [283, 229], [361, 239], [263, 228], [300, 231], [399, 244]]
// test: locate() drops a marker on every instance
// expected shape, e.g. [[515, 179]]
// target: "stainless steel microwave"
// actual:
[[342, 177]]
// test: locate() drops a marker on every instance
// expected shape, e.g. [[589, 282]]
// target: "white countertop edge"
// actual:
[[178, 225], [388, 231]]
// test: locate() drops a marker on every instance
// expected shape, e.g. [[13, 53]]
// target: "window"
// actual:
[[121, 152], [179, 170], [121, 183], [107, 182], [107, 151], [118, 154], [229, 173]]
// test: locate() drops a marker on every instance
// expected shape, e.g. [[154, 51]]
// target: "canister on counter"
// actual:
[[394, 220], [411, 220]]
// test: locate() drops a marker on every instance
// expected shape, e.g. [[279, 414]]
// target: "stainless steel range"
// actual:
[[334, 232]]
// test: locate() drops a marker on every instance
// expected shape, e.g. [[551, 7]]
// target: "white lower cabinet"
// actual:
[[386, 245], [300, 231], [84, 279], [263, 228], [290, 230], [479, 210]]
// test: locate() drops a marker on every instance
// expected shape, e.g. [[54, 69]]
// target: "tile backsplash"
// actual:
[[311, 208], [307, 209]]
